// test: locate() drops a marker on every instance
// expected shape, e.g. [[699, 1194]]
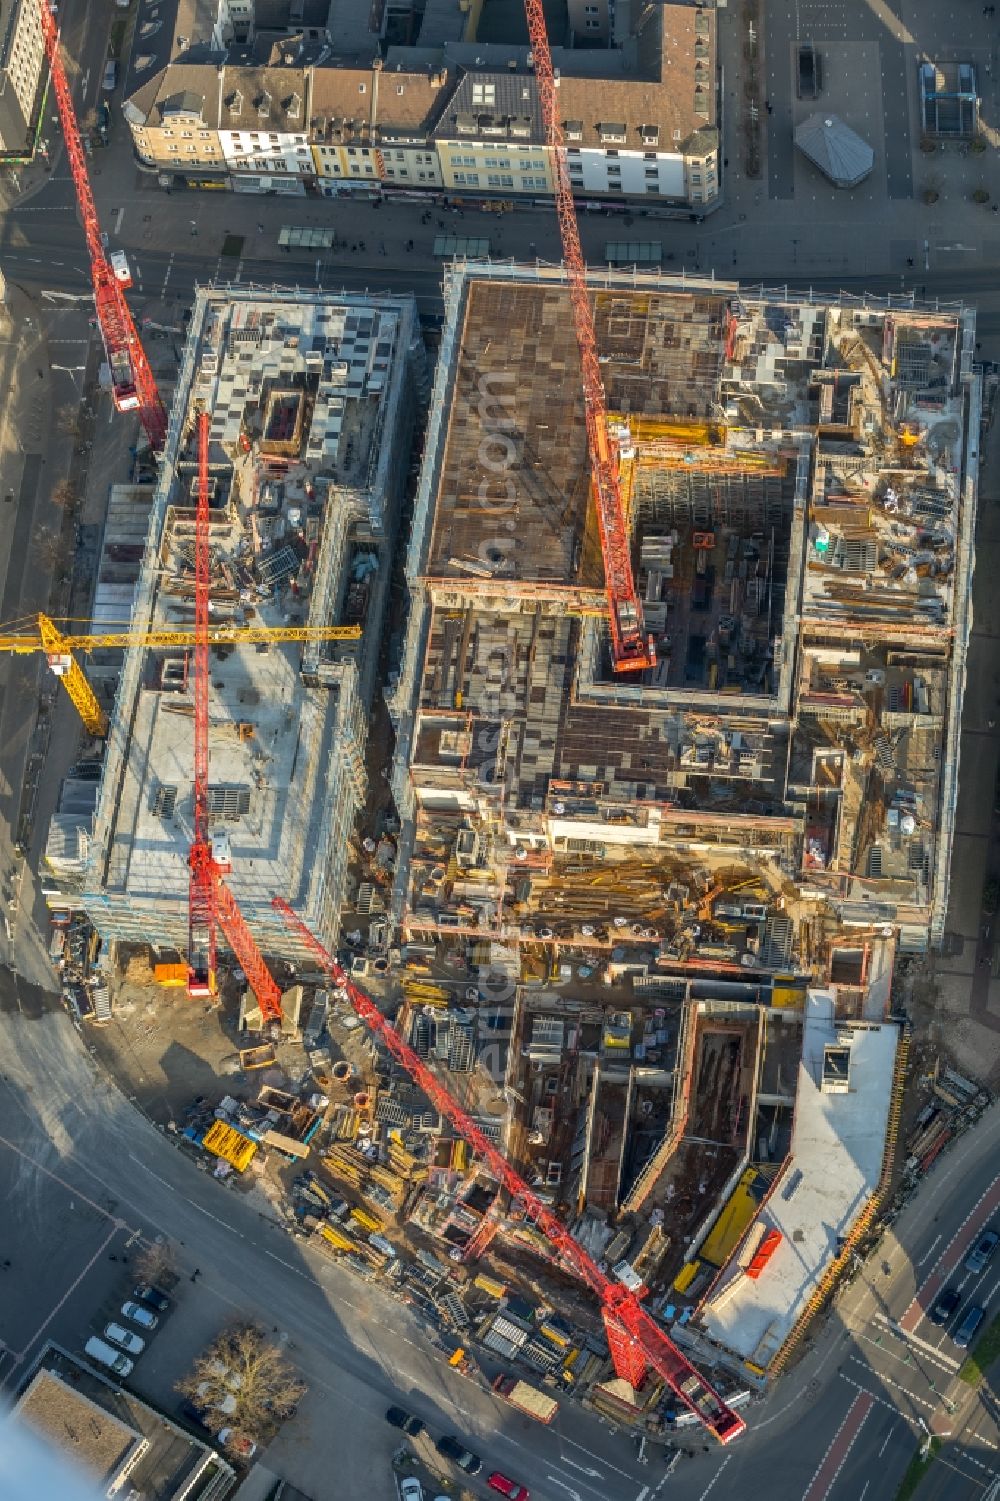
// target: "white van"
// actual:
[[107, 1355]]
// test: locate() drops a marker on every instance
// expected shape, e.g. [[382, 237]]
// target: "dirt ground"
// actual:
[[166, 1049]]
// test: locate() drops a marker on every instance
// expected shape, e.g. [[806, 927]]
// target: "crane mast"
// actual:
[[133, 383], [211, 905], [636, 1341], [631, 648], [201, 885]]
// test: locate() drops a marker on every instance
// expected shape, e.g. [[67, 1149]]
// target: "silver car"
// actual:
[[144, 1317]]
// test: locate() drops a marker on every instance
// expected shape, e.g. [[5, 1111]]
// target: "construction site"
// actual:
[[676, 716], [310, 406], [661, 869]]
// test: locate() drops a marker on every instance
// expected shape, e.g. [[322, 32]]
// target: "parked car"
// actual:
[[945, 1306], [146, 1293], [966, 1331], [144, 1317], [196, 1416], [118, 1335], [507, 1487], [452, 1449], [244, 1447], [981, 1254], [107, 1355], [405, 1420], [110, 75], [410, 1489]]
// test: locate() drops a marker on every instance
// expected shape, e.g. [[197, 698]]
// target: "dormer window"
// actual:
[[574, 130], [235, 103], [294, 110], [613, 134], [264, 105], [362, 88], [650, 135]]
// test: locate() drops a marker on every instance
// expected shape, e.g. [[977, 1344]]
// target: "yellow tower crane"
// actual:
[[42, 634]]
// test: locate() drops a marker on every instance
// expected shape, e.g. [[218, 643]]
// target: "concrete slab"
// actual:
[[834, 1165]]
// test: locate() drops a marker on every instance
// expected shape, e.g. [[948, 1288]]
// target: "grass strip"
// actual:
[[917, 1469], [982, 1355]]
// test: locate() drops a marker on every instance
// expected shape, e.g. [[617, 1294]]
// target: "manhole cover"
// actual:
[[232, 247]]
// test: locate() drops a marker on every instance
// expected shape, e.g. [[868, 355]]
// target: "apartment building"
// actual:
[[372, 128], [174, 119], [263, 129], [349, 114], [22, 56]]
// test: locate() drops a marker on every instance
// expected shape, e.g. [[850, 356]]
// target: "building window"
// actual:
[[593, 25]]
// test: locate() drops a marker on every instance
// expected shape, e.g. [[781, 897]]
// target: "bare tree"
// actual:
[[246, 1379], [51, 550], [65, 495], [69, 421], [156, 1263]]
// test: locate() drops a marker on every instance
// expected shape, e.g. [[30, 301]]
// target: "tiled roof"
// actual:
[[349, 100], [494, 106], [682, 102], [182, 86], [264, 99]]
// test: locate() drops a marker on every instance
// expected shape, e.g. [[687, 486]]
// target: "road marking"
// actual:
[[112, 1232], [939, 1274], [556, 1481], [934, 1351], [888, 1381], [584, 1469], [643, 1494], [930, 1251], [841, 1444], [166, 274], [864, 1491], [715, 1478], [599, 1457], [886, 1443], [118, 220]]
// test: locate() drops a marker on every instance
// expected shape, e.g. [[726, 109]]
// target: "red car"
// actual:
[[507, 1487]]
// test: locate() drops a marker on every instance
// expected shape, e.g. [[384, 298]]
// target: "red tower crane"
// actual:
[[211, 904], [631, 648], [133, 384], [201, 885], [636, 1341]]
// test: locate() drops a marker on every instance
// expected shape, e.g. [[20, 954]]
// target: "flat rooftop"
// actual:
[[78, 1427], [113, 1435], [838, 1144]]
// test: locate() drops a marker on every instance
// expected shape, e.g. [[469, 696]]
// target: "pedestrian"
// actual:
[[112, 1258], [196, 1274], [260, 229]]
